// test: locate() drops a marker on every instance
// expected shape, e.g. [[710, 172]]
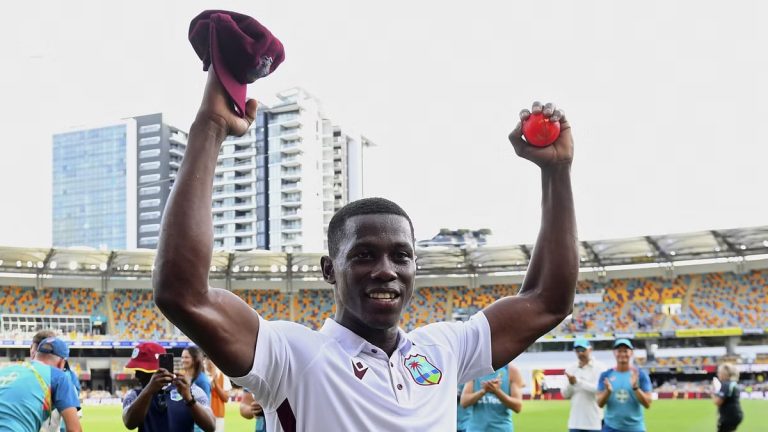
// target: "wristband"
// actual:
[[190, 402], [635, 388]]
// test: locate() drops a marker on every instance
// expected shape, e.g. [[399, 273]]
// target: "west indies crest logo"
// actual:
[[422, 371]]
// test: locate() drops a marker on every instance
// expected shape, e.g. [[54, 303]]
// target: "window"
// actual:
[[149, 203], [149, 190], [148, 241], [149, 153], [149, 178], [149, 141], [149, 215], [149, 228], [149, 166], [149, 128]]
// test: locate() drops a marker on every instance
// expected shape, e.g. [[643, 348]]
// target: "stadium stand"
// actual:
[[429, 304], [51, 301], [135, 315], [272, 305], [313, 306]]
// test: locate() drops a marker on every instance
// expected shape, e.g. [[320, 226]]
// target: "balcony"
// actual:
[[290, 187]]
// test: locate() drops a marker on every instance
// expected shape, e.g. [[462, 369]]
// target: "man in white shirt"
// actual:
[[586, 415], [360, 371]]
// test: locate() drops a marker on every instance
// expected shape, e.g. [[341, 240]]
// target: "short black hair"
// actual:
[[363, 206]]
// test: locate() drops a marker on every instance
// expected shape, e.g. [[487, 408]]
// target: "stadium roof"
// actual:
[[739, 243]]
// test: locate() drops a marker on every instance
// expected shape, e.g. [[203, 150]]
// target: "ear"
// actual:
[[326, 265]]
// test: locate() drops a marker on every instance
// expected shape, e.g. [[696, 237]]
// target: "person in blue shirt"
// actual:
[[498, 394], [29, 391], [193, 361], [462, 414], [166, 402], [249, 409], [624, 391]]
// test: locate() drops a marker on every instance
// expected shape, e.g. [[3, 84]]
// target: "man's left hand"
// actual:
[[558, 153], [183, 386]]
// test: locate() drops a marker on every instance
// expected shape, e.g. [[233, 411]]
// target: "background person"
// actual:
[[498, 395], [29, 391], [249, 409], [624, 391], [585, 414], [165, 402], [220, 387], [726, 398]]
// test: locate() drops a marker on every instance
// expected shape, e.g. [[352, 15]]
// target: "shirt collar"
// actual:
[[353, 344]]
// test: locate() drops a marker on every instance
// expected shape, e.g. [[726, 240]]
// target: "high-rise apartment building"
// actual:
[[111, 182], [274, 188], [278, 186]]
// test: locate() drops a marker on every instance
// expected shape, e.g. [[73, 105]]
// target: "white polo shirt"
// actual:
[[585, 413], [334, 380]]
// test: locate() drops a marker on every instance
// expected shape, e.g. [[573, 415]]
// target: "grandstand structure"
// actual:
[[664, 291]]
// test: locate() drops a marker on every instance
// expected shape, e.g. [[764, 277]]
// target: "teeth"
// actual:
[[382, 296]]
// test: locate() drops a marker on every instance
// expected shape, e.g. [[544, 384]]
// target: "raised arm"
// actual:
[[546, 296], [223, 325]]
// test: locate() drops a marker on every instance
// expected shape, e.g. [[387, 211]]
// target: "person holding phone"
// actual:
[[166, 401]]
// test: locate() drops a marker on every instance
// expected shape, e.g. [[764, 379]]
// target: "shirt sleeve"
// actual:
[[644, 381], [204, 383], [62, 391], [200, 396], [130, 397], [271, 363], [601, 379]]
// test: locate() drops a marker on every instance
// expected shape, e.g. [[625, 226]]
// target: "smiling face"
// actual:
[[583, 354], [186, 361], [373, 272], [623, 356]]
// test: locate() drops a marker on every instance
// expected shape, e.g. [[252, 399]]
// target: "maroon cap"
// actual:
[[240, 49], [145, 357]]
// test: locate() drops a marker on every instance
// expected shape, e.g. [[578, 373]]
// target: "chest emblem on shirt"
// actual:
[[359, 369], [622, 396], [422, 371], [175, 395]]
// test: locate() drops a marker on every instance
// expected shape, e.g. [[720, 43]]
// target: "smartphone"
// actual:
[[166, 361]]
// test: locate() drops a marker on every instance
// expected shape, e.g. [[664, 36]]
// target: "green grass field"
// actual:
[[544, 416]]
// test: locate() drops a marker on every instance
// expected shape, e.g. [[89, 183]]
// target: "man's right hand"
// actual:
[[571, 378], [256, 408], [217, 109], [607, 385], [160, 379]]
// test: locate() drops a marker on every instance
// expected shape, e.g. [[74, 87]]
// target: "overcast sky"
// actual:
[[666, 100]]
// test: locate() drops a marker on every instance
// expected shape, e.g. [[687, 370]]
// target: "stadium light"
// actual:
[[235, 269], [283, 268], [765, 243], [304, 268], [213, 268], [40, 264], [273, 268], [1, 262], [742, 247], [135, 267], [673, 253], [18, 263], [255, 268], [717, 249], [125, 267], [73, 265], [29, 264], [52, 265], [295, 268], [93, 266], [246, 268], [103, 266]]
